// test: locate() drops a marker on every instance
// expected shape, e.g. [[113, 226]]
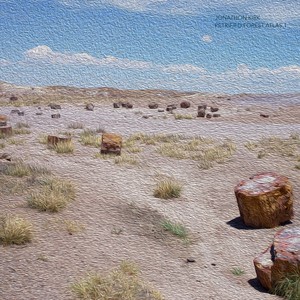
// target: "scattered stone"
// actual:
[[185, 104], [213, 264], [171, 107], [202, 106], [201, 113], [13, 98], [14, 111], [5, 156], [111, 143], [216, 115], [55, 116], [89, 106], [153, 105], [54, 106], [214, 109], [147, 116], [53, 139], [265, 200], [160, 110], [39, 113], [129, 105], [208, 116], [264, 115], [280, 259], [190, 260], [21, 113], [116, 105], [6, 130]]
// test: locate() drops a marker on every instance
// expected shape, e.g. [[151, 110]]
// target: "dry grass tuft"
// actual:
[[15, 142], [21, 131], [167, 189], [90, 138], [73, 227], [76, 125], [125, 159], [43, 139], [120, 284], [20, 169], [64, 147], [22, 125], [14, 230], [183, 117], [53, 196]]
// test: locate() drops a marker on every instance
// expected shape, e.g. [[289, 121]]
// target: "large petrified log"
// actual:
[[55, 139], [89, 106], [111, 143], [281, 259], [265, 200]]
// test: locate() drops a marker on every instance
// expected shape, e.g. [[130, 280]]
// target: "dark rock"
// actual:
[[13, 98], [14, 111], [21, 113], [129, 105], [202, 106], [89, 106], [185, 104], [153, 105], [214, 109], [39, 113], [160, 110], [216, 115], [54, 106], [264, 115], [208, 116], [190, 260], [201, 113], [117, 105], [55, 116]]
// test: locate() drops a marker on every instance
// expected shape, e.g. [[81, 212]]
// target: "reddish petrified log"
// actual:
[[6, 130], [281, 259], [185, 104], [54, 139], [3, 120], [265, 200], [111, 143]]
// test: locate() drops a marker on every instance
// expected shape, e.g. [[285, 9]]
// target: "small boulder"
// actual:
[[265, 200], [214, 109], [202, 106], [21, 113], [129, 105], [55, 116], [117, 105], [201, 113], [185, 104], [264, 115], [54, 106], [160, 110], [14, 111], [208, 116], [216, 115], [89, 106], [153, 105], [13, 98]]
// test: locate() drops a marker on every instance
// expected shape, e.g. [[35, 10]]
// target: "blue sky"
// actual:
[[138, 44]]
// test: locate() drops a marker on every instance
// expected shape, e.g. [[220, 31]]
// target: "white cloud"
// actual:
[[207, 38], [274, 10], [185, 68], [46, 54]]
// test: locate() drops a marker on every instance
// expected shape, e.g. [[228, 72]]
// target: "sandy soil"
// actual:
[[109, 197]]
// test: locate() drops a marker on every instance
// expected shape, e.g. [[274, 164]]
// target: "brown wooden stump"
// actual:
[[281, 259], [265, 200], [111, 143], [53, 139], [6, 130]]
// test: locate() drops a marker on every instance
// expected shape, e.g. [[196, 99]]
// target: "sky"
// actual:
[[236, 46]]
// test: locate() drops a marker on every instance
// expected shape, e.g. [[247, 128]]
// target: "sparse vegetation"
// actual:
[[288, 287], [175, 228], [90, 138], [22, 125], [237, 271], [15, 142], [182, 117], [15, 230], [76, 125], [2, 145], [53, 196], [43, 139], [125, 159], [167, 189], [21, 130], [122, 284], [20, 169], [73, 227], [63, 147]]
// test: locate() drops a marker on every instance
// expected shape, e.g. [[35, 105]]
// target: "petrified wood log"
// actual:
[[281, 259], [54, 139], [214, 109], [55, 116], [3, 120], [6, 130], [111, 143], [153, 105], [185, 104], [201, 113], [117, 105], [89, 106], [265, 200]]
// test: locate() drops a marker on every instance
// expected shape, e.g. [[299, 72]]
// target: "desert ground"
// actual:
[[114, 214]]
